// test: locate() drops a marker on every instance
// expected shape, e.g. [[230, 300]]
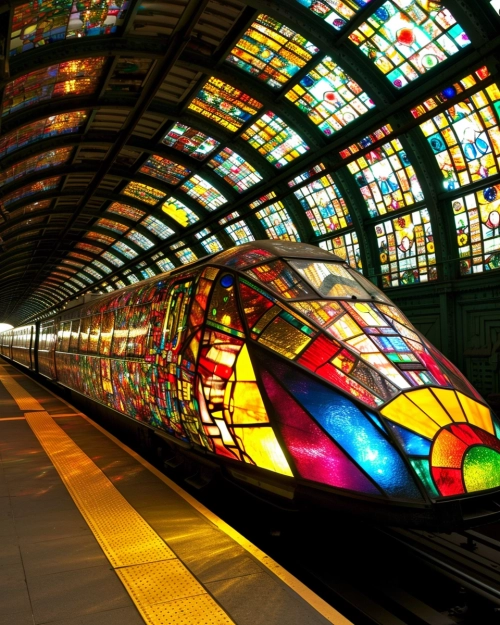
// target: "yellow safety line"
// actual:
[[160, 585], [22, 398]]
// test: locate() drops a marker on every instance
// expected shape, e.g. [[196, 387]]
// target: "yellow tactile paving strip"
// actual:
[[164, 591], [23, 399]]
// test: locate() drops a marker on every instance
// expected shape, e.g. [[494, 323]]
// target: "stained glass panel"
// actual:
[[180, 212], [275, 140], [31, 189], [465, 139], [186, 256], [235, 170], [112, 259], [164, 169], [140, 240], [347, 247], [114, 226], [101, 266], [238, 231], [264, 198], [143, 192], [86, 247], [190, 141], [127, 251], [157, 227], [93, 273], [406, 249], [406, 38], [271, 51], [477, 221], [100, 238], [211, 244], [330, 98], [134, 214], [278, 223], [376, 135], [53, 158], [203, 192], [337, 13], [224, 104], [386, 179], [164, 264]]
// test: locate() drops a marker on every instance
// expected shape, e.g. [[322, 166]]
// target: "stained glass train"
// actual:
[[293, 373]]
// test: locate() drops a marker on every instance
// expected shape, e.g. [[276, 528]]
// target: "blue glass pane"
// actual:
[[375, 420], [412, 443]]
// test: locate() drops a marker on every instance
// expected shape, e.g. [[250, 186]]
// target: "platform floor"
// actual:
[[91, 534]]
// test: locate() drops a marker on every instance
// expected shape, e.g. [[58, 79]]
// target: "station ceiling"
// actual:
[[138, 136]]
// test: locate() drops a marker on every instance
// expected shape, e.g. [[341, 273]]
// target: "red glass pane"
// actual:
[[330, 373], [448, 481], [430, 363], [448, 450], [466, 434], [319, 353], [254, 304]]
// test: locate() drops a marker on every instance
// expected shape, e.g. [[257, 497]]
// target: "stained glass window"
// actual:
[[406, 249], [190, 141], [235, 170], [127, 251], [143, 192], [140, 240], [238, 231], [88, 248], [324, 205], [275, 140], [347, 247], [212, 244], [405, 38], [101, 238], [157, 227], [376, 135], [31, 189], [53, 158], [76, 77], [30, 208], [80, 256], [93, 273], [165, 265], [112, 225], [66, 261], [54, 126], [37, 24], [337, 13], [465, 139], [132, 278], [330, 98], [477, 221], [179, 211], [101, 266], [186, 255], [203, 192], [78, 282], [264, 198], [224, 104], [165, 170], [386, 179], [146, 272], [278, 223], [111, 258], [134, 214], [271, 51]]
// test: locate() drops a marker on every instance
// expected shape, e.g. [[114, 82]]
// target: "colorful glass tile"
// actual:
[[212, 245], [86, 247], [224, 104], [203, 192], [269, 196], [140, 240], [406, 38], [373, 137], [52, 158], [275, 140], [271, 51], [406, 249], [277, 222], [101, 266], [180, 212], [157, 227], [330, 97], [465, 139], [134, 214], [30, 189], [186, 255], [100, 238], [347, 247], [111, 258], [235, 170], [337, 13], [143, 192], [93, 273], [124, 249], [239, 231], [114, 226], [477, 222], [164, 169], [76, 77], [190, 141], [165, 265]]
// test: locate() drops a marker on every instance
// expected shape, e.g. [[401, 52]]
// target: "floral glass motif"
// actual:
[[271, 51], [111, 258], [238, 231], [140, 240], [65, 123], [477, 221], [324, 205], [124, 210], [157, 227], [53, 158], [30, 189], [347, 247], [164, 169], [465, 139], [235, 170], [36, 23], [125, 249], [330, 98], [275, 140], [278, 223], [203, 192], [406, 38], [373, 137], [77, 77], [406, 249], [337, 13], [179, 211], [224, 105], [143, 192], [190, 141], [186, 255], [386, 179]]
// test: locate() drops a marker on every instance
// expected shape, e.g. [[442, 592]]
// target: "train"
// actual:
[[290, 373]]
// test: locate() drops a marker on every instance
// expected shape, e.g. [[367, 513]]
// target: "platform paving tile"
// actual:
[[49, 525], [10, 554], [120, 616], [13, 596], [17, 618], [50, 499]]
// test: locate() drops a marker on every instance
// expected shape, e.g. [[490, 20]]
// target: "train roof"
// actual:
[[274, 248]]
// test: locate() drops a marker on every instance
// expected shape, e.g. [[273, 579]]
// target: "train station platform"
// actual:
[[92, 534]]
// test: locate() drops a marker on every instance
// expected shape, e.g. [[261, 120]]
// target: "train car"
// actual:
[[18, 344], [297, 376]]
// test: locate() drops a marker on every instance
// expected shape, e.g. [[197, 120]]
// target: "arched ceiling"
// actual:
[[138, 136]]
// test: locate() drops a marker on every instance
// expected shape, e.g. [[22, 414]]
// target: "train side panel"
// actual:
[[23, 340]]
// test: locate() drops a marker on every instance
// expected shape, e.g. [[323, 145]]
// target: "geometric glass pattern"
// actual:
[[140, 240], [324, 205], [143, 192], [77, 77], [203, 192], [235, 170], [31, 189], [465, 138], [271, 51], [477, 221], [53, 158], [347, 247], [238, 231], [330, 98], [127, 251], [124, 210], [212, 245], [224, 104], [157, 227], [406, 249], [406, 38], [374, 136], [386, 179], [186, 256], [275, 140], [190, 141], [165, 265], [337, 13], [164, 169], [278, 223], [179, 211]]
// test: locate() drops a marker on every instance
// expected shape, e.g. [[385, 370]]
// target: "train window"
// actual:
[[75, 333], [330, 279], [138, 330], [65, 334], [95, 324], [281, 279], [108, 323], [120, 334], [84, 334]]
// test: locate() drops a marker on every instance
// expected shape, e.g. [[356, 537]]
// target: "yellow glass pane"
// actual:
[[261, 445], [345, 328], [227, 439], [243, 404], [244, 367], [401, 410], [476, 413], [426, 401], [448, 451], [451, 403], [283, 338], [266, 318]]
